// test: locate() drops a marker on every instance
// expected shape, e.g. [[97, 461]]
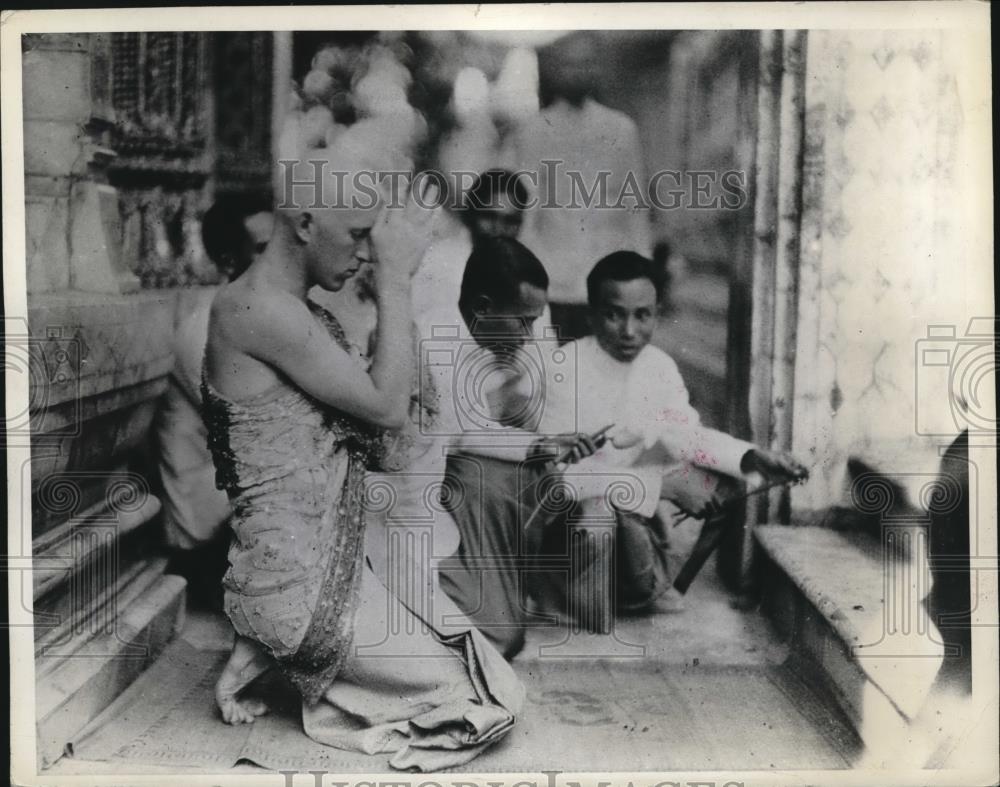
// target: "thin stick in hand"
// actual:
[[564, 457]]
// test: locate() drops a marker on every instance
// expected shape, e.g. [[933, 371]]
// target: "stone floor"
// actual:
[[699, 689]]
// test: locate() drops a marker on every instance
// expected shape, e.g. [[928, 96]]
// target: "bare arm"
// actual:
[[399, 240], [288, 337], [279, 330], [392, 369]]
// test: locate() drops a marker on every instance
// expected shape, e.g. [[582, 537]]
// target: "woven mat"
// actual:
[[168, 717], [579, 716]]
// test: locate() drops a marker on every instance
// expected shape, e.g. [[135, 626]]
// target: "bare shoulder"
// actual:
[[244, 316]]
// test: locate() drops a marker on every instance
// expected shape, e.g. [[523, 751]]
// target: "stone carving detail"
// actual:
[[242, 87], [158, 93], [164, 97], [161, 100]]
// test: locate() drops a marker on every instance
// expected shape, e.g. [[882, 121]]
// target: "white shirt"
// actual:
[[472, 385], [479, 392], [646, 395]]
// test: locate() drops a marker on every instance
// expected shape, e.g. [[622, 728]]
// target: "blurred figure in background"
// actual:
[[671, 269], [234, 230], [493, 208], [595, 147], [472, 143]]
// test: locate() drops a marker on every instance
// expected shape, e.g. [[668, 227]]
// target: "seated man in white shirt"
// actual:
[[657, 442], [480, 356]]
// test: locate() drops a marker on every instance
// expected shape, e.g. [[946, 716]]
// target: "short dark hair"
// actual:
[[619, 266], [487, 187], [496, 268], [223, 232]]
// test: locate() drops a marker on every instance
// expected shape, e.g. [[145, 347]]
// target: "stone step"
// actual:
[[857, 624], [82, 623], [72, 547], [77, 683]]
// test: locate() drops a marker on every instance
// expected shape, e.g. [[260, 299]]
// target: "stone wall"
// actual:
[[70, 211], [121, 159], [896, 238]]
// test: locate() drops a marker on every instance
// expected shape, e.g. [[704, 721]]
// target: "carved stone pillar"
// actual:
[[72, 212]]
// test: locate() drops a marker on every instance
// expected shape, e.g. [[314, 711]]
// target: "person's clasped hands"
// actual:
[[403, 230]]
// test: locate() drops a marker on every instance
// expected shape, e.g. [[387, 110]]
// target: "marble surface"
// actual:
[[888, 248]]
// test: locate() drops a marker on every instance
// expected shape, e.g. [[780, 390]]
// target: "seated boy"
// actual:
[[657, 443]]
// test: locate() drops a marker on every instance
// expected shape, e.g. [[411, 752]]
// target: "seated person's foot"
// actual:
[[246, 663], [670, 602], [743, 603]]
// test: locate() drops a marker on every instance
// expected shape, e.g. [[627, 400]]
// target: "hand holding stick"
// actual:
[[572, 454], [712, 532], [595, 439]]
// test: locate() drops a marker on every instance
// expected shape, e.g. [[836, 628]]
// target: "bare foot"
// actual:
[[246, 663]]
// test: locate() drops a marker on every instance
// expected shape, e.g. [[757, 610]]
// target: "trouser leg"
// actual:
[[203, 567], [485, 577], [643, 571], [614, 563], [576, 566]]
